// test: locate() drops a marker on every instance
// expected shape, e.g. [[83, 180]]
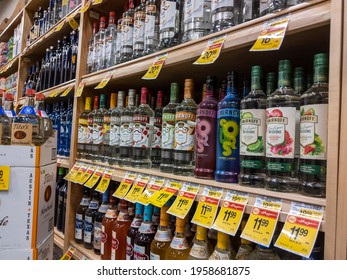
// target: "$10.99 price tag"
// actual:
[[184, 200], [95, 177], [301, 228], [125, 185], [153, 186], [164, 194], [206, 210], [137, 188], [261, 224], [154, 70], [231, 212], [211, 52]]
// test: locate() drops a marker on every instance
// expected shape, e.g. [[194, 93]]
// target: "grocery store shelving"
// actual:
[[63, 161], [81, 251], [10, 67], [8, 31], [59, 239]]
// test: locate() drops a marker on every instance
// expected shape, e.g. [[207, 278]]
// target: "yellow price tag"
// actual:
[[261, 224], [154, 70], [271, 37], [68, 255], [73, 171], [104, 81], [105, 181], [300, 231], [206, 211], [184, 200], [86, 7], [67, 91], [79, 173], [79, 90], [59, 26], [211, 51], [164, 194], [97, 2], [56, 92], [137, 188], [123, 189], [153, 186], [73, 23], [95, 177], [4, 178], [84, 178]]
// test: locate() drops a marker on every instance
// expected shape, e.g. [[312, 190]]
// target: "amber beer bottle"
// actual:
[[106, 229], [119, 232]]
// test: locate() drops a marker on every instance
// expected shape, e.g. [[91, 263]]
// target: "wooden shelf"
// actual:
[[81, 251], [287, 198], [10, 67], [59, 238], [63, 162], [8, 31]]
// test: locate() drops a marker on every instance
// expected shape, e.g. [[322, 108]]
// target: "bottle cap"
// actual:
[[256, 70], [102, 100], [144, 95], [9, 97], [284, 65], [61, 171], [112, 14], [40, 97], [139, 208], [298, 72], [320, 59], [113, 100]]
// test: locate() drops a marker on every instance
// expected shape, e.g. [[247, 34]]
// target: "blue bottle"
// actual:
[[68, 128], [228, 134], [56, 122], [62, 131]]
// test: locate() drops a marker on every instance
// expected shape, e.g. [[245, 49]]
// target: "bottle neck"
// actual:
[[256, 83], [284, 79], [201, 233], [39, 106], [8, 104], [173, 96], [164, 217], [222, 241], [320, 74], [30, 101]]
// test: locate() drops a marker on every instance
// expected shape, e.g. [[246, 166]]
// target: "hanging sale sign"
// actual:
[[211, 51], [154, 70], [80, 173], [73, 171], [95, 177], [165, 193], [153, 186], [137, 188], [105, 180], [125, 185]]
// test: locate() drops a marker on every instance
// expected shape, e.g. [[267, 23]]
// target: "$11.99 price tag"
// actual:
[[211, 52], [137, 188], [231, 212], [164, 194], [125, 185], [154, 70], [301, 228], [153, 186], [261, 224]]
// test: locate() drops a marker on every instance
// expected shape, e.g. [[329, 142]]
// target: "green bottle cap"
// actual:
[[102, 100], [284, 73], [298, 72], [320, 59], [299, 80], [270, 83], [320, 67], [174, 90], [256, 74], [61, 171]]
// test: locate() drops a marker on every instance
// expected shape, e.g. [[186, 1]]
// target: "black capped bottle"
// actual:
[[80, 215], [89, 219], [98, 221], [134, 228]]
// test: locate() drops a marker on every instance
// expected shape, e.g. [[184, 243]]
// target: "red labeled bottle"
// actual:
[[134, 228], [106, 229]]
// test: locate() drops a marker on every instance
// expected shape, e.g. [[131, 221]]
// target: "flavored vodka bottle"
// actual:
[[98, 130], [134, 228], [228, 134], [151, 26], [126, 51], [270, 83], [98, 221], [110, 41], [206, 128], [157, 132], [223, 14], [179, 248], [221, 251], [89, 219], [299, 83], [201, 249], [139, 29]]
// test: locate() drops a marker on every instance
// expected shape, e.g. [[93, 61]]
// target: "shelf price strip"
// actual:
[[69, 253], [67, 91], [125, 185], [212, 51], [261, 224], [79, 173], [73, 171], [5, 178], [86, 175], [79, 90], [206, 210], [154, 70], [184, 200], [154, 185], [271, 37], [95, 177], [164, 194], [105, 180], [231, 212], [105, 80], [301, 228], [137, 188]]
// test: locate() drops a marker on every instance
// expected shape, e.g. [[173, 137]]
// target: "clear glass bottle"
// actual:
[[184, 143], [314, 130], [168, 131], [223, 14], [134, 228], [89, 143], [107, 128], [179, 248], [91, 53], [98, 130], [126, 131], [118, 42], [264, 7], [250, 9], [252, 133], [89, 219], [299, 83], [282, 109], [110, 41], [74, 53], [270, 83], [142, 133], [157, 132], [8, 106], [151, 27], [126, 51], [277, 5], [201, 249], [196, 19], [139, 29], [221, 251], [99, 40]]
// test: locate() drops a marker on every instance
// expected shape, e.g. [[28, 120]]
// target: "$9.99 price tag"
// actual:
[[211, 52], [154, 70], [261, 224], [231, 212], [206, 210], [301, 228], [125, 185]]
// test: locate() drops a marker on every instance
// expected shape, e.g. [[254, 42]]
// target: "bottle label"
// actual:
[[94, 205], [129, 249], [136, 223], [280, 132], [153, 256], [90, 131], [79, 227], [219, 256], [88, 229], [263, 6], [313, 131], [185, 131], [179, 243], [167, 14], [127, 35], [10, 113], [217, 4], [27, 110], [111, 213], [205, 132], [147, 228], [98, 134], [247, 10], [83, 132], [139, 27], [141, 131], [252, 132], [106, 130], [123, 217], [140, 253], [97, 235], [126, 131], [197, 9], [85, 201], [156, 143], [168, 131], [199, 252], [108, 47], [115, 131], [163, 235], [114, 245], [150, 26], [103, 239]]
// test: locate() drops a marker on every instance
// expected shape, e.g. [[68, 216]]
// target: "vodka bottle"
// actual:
[[99, 46], [157, 132], [89, 143], [126, 50], [110, 42], [151, 26], [223, 14], [139, 29], [83, 129], [90, 58], [98, 130]]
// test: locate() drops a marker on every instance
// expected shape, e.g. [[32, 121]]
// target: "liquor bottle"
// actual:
[[179, 248], [228, 119], [156, 217], [74, 53], [126, 131], [222, 90], [244, 250], [64, 7], [89, 220], [119, 232], [35, 28], [45, 122], [115, 128], [264, 7], [118, 42], [196, 19], [56, 122], [89, 144], [184, 143], [58, 68], [126, 50], [263, 253], [223, 14], [60, 182], [206, 127], [110, 41], [250, 9], [131, 210], [313, 131], [60, 210], [151, 27], [281, 133], [168, 131], [91, 53], [139, 29], [99, 216], [42, 13], [212, 237], [65, 63], [134, 227], [157, 131], [170, 23], [98, 130], [45, 66], [299, 83], [201, 248], [52, 66], [80, 215], [57, 11], [108, 222], [73, 4], [107, 128], [69, 115], [252, 134], [277, 5], [99, 46], [142, 133], [8, 105], [221, 251], [83, 129], [144, 236], [270, 83], [62, 129], [28, 116], [163, 236], [309, 80], [190, 233], [245, 88]]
